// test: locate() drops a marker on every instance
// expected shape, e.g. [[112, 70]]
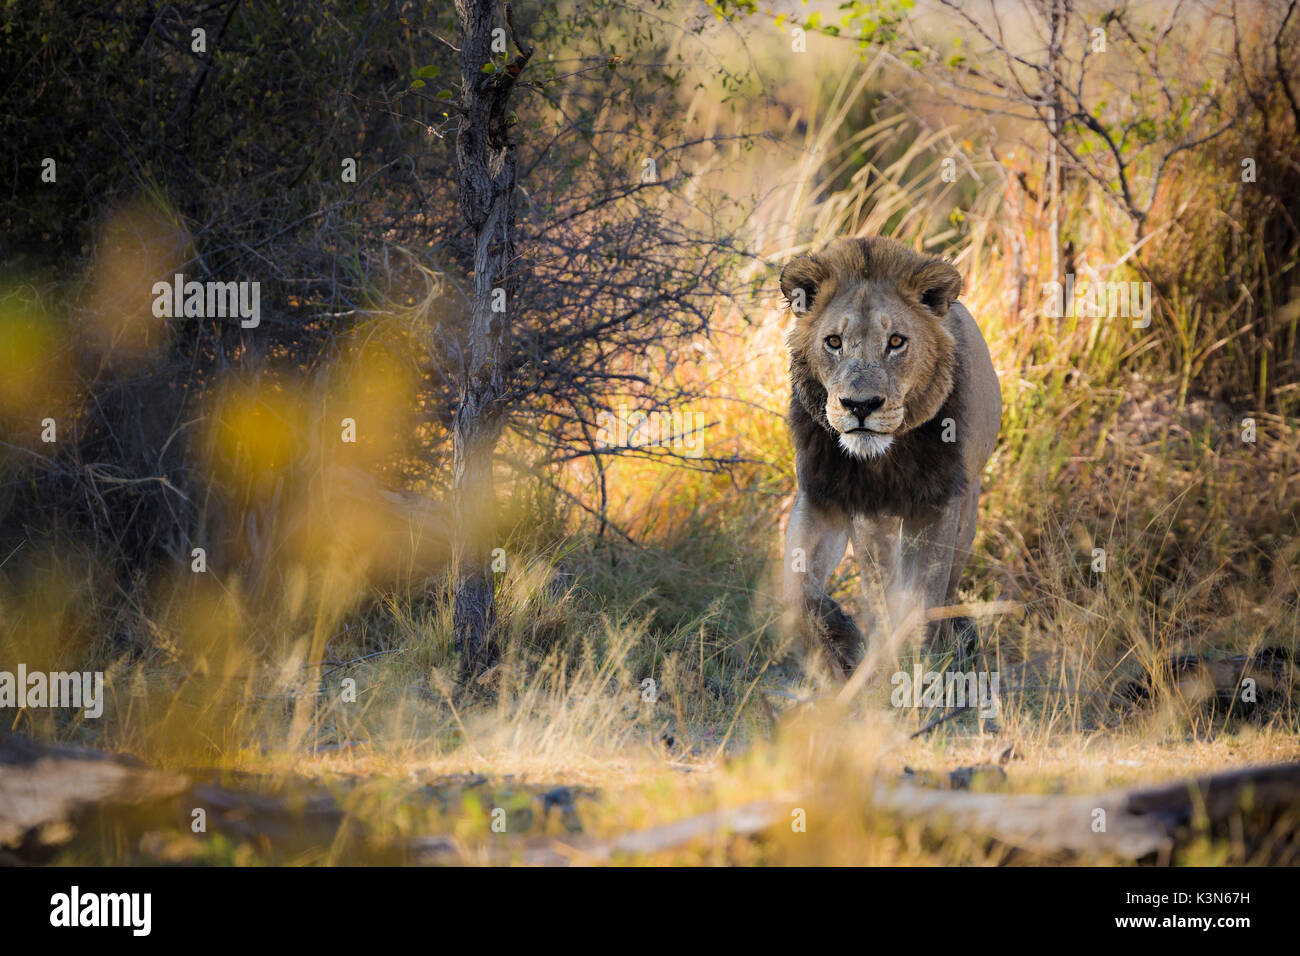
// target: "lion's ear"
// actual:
[[800, 280], [937, 284]]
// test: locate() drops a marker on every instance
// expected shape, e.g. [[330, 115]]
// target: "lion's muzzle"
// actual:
[[850, 416]]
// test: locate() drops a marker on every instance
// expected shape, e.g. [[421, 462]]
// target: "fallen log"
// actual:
[[1143, 825], [44, 789], [745, 820], [1243, 684], [47, 793], [1131, 824]]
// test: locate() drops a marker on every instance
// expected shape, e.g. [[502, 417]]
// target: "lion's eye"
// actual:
[[896, 341], [833, 342]]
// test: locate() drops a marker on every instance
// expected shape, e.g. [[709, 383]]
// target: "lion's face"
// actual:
[[871, 331]]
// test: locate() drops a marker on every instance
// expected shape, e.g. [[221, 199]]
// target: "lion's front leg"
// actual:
[[877, 547], [929, 554], [815, 542]]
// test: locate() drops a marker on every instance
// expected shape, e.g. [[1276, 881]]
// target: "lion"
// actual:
[[895, 408]]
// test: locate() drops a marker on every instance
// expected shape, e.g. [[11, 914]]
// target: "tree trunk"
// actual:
[[486, 173], [1056, 26]]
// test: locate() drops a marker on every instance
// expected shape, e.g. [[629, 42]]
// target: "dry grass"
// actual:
[[1113, 438]]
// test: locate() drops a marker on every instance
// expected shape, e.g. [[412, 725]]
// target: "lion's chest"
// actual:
[[919, 475]]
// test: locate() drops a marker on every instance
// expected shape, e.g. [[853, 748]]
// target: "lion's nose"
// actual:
[[860, 410]]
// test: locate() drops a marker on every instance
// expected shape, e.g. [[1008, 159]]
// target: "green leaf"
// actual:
[[428, 72], [445, 94], [416, 84]]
